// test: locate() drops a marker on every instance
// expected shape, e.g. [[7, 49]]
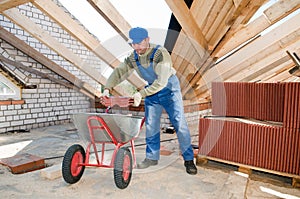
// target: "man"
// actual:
[[153, 63]]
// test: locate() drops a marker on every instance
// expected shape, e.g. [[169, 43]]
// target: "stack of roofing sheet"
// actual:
[[263, 127]]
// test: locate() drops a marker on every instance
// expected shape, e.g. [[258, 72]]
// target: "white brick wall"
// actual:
[[49, 103]]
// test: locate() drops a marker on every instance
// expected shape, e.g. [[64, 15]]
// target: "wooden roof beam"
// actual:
[[7, 4], [41, 35], [42, 59], [78, 32], [241, 34], [248, 52], [188, 24], [112, 16]]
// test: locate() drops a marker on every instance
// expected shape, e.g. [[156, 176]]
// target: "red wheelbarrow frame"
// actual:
[[104, 126], [77, 158]]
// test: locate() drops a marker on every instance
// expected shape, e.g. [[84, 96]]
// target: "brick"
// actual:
[[31, 101], [4, 124], [5, 102], [28, 91], [38, 120], [23, 163], [12, 112], [31, 121], [16, 123], [23, 111], [52, 172]]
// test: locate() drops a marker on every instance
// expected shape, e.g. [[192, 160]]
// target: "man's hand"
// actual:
[[105, 93], [137, 97]]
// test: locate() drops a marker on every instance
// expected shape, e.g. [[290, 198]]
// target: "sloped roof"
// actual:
[[208, 40]]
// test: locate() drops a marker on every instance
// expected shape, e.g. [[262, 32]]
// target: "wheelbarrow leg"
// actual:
[[133, 153]]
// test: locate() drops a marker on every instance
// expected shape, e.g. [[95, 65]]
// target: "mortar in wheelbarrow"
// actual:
[[123, 127]]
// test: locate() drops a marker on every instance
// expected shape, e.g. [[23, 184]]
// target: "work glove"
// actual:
[[137, 98], [105, 93]]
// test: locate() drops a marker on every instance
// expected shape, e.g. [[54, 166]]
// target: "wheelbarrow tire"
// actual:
[[123, 168], [71, 170]]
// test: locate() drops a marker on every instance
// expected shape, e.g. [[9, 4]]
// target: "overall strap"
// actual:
[[136, 57], [147, 73]]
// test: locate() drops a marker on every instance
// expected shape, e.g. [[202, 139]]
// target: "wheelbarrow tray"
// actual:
[[123, 127]]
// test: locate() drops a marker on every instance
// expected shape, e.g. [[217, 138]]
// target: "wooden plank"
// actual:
[[279, 77], [200, 10], [41, 35], [34, 71], [239, 6], [213, 14], [188, 23], [39, 57], [281, 9], [248, 169], [236, 37], [221, 29], [112, 16], [226, 9], [268, 61], [181, 49], [273, 71], [186, 60], [7, 4], [78, 32], [179, 45], [265, 55], [276, 71], [250, 50], [253, 8], [208, 63]]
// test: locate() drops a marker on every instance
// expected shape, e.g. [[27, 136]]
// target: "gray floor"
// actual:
[[166, 180]]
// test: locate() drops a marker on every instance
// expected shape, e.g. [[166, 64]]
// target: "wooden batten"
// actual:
[[213, 14], [188, 23], [112, 16], [250, 50], [52, 43], [201, 10], [34, 54], [7, 4], [226, 10], [241, 34], [267, 61]]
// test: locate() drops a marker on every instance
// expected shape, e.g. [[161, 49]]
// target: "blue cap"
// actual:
[[138, 35]]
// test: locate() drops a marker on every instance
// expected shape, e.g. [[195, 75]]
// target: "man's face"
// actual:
[[142, 47]]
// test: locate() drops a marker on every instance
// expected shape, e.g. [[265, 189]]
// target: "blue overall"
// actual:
[[170, 99]]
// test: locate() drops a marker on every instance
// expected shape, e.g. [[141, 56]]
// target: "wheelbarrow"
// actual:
[[101, 129]]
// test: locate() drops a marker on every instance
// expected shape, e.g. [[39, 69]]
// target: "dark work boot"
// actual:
[[146, 163], [190, 167]]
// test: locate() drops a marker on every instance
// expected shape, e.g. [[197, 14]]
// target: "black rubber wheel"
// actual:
[[71, 170], [123, 168]]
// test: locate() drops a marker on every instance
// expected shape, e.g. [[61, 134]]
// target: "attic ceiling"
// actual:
[[216, 40]]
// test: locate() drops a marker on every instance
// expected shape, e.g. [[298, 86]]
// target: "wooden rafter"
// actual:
[[242, 33], [112, 16], [78, 32], [225, 69], [34, 71], [39, 57], [7, 4], [188, 23], [54, 44]]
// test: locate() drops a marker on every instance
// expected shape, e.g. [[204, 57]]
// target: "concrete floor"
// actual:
[[166, 180]]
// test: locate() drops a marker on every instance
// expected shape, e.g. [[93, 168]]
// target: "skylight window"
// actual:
[[8, 90]]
